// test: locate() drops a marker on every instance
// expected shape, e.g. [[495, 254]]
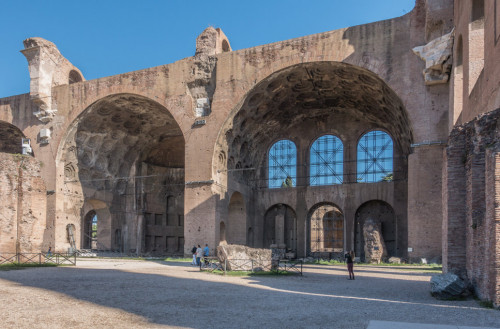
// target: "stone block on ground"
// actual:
[[395, 260], [446, 286], [243, 258]]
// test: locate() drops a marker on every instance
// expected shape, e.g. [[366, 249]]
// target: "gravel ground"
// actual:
[[118, 293]]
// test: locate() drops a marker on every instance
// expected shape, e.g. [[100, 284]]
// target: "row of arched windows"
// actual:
[[326, 167]]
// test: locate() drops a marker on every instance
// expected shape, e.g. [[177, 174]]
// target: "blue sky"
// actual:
[[108, 37]]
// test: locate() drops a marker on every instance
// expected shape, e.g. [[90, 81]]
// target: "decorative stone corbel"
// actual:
[[48, 68], [437, 55]]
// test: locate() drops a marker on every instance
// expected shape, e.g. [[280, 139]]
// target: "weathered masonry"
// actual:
[[300, 144]]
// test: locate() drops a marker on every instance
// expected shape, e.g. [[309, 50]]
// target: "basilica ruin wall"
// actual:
[[222, 89]]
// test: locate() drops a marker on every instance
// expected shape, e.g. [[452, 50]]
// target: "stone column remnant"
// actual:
[[48, 68], [375, 249]]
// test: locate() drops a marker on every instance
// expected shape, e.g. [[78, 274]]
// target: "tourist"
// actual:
[[350, 264], [193, 251], [49, 252], [199, 254], [206, 253]]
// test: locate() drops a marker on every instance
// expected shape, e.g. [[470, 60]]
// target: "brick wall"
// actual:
[[471, 227], [22, 211]]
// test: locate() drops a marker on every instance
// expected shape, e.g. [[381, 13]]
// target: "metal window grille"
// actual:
[[327, 230], [375, 157], [326, 161], [282, 164]]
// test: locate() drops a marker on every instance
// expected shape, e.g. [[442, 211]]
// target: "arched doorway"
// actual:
[[222, 233], [128, 151], [237, 220], [280, 228], [382, 213], [325, 231], [89, 232]]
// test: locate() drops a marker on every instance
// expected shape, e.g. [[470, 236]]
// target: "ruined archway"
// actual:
[[325, 231], [10, 138], [300, 103], [383, 213], [128, 152], [236, 220]]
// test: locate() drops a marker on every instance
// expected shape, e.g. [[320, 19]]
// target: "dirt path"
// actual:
[[145, 294]]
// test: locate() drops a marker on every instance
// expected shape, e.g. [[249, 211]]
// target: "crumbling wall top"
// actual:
[[47, 68], [212, 42]]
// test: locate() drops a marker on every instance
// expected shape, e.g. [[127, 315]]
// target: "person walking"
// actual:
[[350, 264], [193, 251], [199, 254], [206, 253]]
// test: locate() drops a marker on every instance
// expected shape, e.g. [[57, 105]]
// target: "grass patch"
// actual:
[[15, 266], [249, 273], [325, 262], [486, 303], [451, 298], [178, 259], [428, 268]]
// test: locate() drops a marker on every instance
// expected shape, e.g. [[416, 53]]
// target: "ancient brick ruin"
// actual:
[[296, 144]]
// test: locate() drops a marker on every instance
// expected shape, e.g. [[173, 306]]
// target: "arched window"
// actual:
[[326, 161], [375, 157], [74, 77], [282, 164]]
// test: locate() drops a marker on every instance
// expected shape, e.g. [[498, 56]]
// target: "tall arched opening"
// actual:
[[280, 228], [299, 104], [237, 220], [126, 151], [325, 231], [382, 213], [89, 232], [222, 233]]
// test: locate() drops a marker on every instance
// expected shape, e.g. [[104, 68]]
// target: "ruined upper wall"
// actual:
[[212, 83], [48, 68], [477, 58]]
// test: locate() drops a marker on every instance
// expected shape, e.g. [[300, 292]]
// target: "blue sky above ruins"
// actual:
[[105, 38]]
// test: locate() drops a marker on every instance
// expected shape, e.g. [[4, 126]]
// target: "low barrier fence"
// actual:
[[251, 265], [37, 258]]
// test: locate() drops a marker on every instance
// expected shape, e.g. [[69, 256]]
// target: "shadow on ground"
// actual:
[[205, 300]]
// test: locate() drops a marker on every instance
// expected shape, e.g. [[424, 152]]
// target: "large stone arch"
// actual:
[[127, 151], [299, 103], [311, 94]]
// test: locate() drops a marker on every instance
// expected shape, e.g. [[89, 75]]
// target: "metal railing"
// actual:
[[212, 264], [37, 258]]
